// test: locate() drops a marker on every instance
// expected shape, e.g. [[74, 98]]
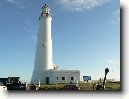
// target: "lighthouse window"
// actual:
[[63, 78], [57, 78], [72, 78]]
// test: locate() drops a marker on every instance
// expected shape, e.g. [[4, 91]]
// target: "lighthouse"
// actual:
[[44, 70], [43, 55]]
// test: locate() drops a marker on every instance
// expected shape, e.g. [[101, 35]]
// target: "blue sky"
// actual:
[[85, 34]]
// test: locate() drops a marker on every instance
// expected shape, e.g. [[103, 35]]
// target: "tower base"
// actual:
[[53, 76], [38, 76]]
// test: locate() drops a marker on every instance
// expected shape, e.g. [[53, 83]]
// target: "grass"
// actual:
[[83, 86], [112, 86]]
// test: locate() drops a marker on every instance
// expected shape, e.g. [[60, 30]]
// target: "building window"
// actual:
[[56, 78], [63, 78], [72, 78]]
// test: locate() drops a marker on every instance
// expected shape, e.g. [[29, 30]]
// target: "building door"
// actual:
[[47, 80]]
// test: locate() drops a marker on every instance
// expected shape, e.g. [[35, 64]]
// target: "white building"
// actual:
[[44, 70], [58, 76]]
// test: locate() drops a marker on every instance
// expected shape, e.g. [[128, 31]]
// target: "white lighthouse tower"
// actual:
[[43, 55], [44, 70]]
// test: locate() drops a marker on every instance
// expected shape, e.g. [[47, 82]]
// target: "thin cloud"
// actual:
[[115, 17], [113, 62], [34, 37], [16, 3], [18, 54], [33, 34], [3, 40], [81, 5], [29, 30]]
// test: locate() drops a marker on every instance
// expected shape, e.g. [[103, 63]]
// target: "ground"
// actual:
[[83, 86]]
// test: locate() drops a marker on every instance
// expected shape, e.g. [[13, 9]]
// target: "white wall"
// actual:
[[53, 74]]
